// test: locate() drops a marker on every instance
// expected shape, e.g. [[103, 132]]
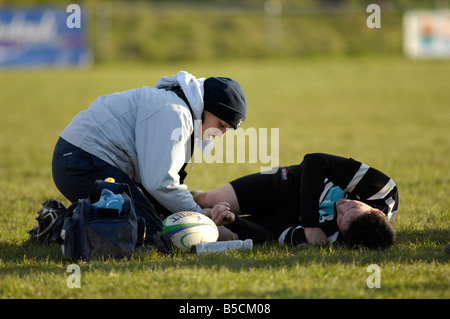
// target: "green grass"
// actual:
[[392, 114]]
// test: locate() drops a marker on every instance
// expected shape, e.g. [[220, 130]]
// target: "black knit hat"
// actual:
[[225, 99]]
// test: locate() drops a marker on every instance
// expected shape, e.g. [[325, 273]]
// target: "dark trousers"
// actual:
[[74, 174]]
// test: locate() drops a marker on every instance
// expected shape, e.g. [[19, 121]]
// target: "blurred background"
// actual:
[[35, 32], [334, 76]]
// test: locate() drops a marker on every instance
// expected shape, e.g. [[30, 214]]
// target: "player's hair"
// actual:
[[371, 230]]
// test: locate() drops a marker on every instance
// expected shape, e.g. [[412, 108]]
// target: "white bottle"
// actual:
[[220, 246]]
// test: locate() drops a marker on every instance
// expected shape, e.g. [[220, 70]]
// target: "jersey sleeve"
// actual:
[[316, 168], [295, 236], [246, 229], [374, 188]]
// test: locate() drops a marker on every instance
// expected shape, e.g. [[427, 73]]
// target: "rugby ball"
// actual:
[[186, 229]]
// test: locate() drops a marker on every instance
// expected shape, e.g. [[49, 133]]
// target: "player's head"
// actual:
[[363, 225], [371, 230]]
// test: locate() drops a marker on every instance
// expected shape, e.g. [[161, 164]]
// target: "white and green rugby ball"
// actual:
[[186, 229]]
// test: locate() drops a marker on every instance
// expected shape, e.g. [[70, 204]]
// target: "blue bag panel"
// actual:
[[73, 236], [68, 234], [110, 237], [73, 232]]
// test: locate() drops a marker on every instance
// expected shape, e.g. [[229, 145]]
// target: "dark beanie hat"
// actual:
[[225, 99]]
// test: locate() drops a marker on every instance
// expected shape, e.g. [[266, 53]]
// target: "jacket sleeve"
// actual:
[[161, 142]]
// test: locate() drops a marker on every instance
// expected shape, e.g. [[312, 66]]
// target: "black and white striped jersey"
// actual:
[[304, 195], [325, 179]]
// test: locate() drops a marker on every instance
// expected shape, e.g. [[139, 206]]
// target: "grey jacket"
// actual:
[[144, 132]]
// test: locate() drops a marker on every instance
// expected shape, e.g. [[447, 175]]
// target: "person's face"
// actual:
[[348, 211], [213, 126]]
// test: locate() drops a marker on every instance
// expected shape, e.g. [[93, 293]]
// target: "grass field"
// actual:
[[390, 113]]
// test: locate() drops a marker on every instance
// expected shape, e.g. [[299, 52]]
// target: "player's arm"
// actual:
[[374, 188], [244, 228], [315, 169]]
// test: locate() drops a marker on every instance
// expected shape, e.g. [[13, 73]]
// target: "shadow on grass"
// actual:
[[421, 245], [18, 253]]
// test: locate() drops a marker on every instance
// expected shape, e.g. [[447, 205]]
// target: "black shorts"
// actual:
[[268, 200], [255, 194]]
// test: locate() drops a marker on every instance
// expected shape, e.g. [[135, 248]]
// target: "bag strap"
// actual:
[[178, 91]]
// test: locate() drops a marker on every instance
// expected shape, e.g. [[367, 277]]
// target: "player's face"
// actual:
[[348, 211], [213, 126]]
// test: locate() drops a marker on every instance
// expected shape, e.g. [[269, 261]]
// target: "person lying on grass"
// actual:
[[324, 199]]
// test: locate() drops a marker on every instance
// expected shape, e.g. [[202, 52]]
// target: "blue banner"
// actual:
[[43, 36]]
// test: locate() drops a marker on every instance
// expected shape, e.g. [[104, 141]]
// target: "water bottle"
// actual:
[[220, 246]]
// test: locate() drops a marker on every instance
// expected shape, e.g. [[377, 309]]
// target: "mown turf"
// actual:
[[390, 113]]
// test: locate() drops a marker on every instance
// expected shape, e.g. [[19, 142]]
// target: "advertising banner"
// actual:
[[427, 34], [43, 36]]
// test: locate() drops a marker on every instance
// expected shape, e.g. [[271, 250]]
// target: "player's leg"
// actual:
[[250, 195], [224, 193], [208, 199]]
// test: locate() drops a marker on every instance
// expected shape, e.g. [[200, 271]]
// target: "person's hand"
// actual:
[[315, 236], [221, 214], [207, 212]]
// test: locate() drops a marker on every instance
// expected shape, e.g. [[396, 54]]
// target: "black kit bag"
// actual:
[[87, 231]]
